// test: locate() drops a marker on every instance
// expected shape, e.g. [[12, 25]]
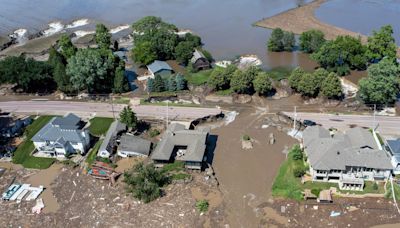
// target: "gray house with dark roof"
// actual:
[[179, 144], [348, 158], [161, 68], [62, 136], [133, 146], [110, 141]]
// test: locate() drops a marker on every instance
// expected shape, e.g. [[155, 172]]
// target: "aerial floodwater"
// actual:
[[362, 16], [225, 25]]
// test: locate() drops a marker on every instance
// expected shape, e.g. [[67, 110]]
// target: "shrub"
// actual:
[[297, 153], [316, 191], [375, 186], [202, 205], [298, 172], [154, 132], [246, 137]]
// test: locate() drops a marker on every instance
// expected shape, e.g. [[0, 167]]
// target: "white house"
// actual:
[[62, 136]]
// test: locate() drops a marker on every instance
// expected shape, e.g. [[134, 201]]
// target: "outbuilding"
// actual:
[[161, 68], [132, 146]]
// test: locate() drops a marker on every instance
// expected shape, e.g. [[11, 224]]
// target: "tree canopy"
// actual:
[[242, 81], [311, 40], [262, 83], [102, 36], [331, 87], [220, 78], [128, 117], [67, 49], [381, 44], [281, 40]]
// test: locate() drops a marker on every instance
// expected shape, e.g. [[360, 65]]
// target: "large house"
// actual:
[[348, 159], [199, 61], [393, 146], [62, 136], [110, 141], [161, 68], [180, 144]]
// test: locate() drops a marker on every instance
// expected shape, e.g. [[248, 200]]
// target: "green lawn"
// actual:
[[93, 153], [99, 125], [23, 153], [280, 73], [199, 78]]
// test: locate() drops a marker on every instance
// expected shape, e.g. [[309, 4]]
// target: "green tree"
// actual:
[[145, 182], [320, 75], [128, 117], [184, 52], [308, 85], [341, 55], [262, 83], [150, 85], [381, 44], [295, 78], [87, 67], [289, 41], [242, 81], [144, 53], [218, 80], [311, 40], [193, 39], [331, 87], [181, 82], [275, 41], [102, 36], [62, 78], [67, 49], [172, 83], [159, 84], [382, 84], [120, 81]]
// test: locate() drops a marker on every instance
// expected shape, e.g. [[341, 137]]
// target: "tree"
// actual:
[[381, 44], [242, 81], [381, 85], [218, 79], [150, 85], [331, 87], [158, 85], [89, 67], [308, 85], [295, 78], [289, 41], [193, 39], [144, 53], [145, 182], [116, 45], [62, 78], [67, 49], [296, 152], [102, 36], [262, 83], [311, 40], [341, 55], [320, 75], [128, 117], [184, 52], [120, 81], [275, 41], [172, 83], [181, 82]]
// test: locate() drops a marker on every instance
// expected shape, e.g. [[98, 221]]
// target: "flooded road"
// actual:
[[362, 16]]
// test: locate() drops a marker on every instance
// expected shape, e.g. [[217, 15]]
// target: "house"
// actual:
[[159, 68], [109, 142], [130, 146], [348, 159], [62, 136], [180, 144], [199, 61], [393, 146]]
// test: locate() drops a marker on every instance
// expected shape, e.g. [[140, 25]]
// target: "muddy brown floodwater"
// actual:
[[246, 176]]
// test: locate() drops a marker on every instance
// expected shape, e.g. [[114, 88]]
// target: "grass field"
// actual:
[[93, 153], [23, 153], [199, 78], [280, 73], [99, 125]]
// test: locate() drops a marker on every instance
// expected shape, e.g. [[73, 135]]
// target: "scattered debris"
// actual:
[[38, 207], [335, 213]]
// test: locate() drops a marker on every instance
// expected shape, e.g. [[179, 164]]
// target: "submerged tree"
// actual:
[[311, 40]]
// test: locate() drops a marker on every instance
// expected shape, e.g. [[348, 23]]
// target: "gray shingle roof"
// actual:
[[130, 143], [66, 127], [194, 140], [112, 132], [355, 148], [394, 146], [158, 65], [197, 55]]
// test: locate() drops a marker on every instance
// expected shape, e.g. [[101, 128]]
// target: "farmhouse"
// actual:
[[161, 68], [199, 61], [62, 136], [179, 144], [347, 159]]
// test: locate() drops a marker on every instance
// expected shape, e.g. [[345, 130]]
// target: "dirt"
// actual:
[[246, 176], [126, 164]]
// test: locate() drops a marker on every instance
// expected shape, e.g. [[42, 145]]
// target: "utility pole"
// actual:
[[167, 113], [294, 118], [112, 107], [373, 128]]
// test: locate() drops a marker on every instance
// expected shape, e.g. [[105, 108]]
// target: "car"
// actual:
[[309, 123]]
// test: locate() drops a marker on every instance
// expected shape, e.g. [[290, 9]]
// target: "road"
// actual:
[[90, 109], [386, 125]]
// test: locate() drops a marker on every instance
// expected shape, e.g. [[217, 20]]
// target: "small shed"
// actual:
[[131, 146], [308, 195], [161, 68], [199, 61], [325, 196]]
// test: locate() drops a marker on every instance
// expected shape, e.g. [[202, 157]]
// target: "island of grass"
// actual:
[[23, 154], [99, 125], [287, 183]]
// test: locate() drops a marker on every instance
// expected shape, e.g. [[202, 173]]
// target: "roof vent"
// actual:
[[338, 153]]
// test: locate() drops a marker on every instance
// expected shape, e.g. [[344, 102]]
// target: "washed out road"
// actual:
[[90, 109], [386, 125]]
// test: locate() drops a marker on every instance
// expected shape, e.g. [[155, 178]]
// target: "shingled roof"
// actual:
[[158, 65], [355, 148]]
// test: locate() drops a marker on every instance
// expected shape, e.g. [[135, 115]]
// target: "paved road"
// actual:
[[387, 125], [89, 109]]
